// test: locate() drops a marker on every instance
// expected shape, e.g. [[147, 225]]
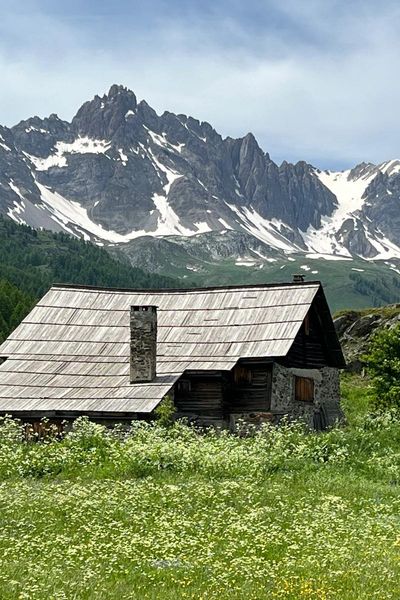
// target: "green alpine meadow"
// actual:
[[161, 510]]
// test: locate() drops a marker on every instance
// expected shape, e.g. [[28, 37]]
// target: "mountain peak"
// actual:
[[101, 118], [120, 90]]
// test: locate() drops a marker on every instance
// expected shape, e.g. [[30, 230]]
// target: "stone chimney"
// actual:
[[143, 345]]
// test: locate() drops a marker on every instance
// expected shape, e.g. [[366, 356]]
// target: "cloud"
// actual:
[[313, 80]]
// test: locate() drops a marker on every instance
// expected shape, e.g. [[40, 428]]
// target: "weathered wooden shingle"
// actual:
[[71, 353]]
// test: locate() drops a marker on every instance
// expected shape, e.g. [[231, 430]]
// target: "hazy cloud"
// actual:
[[313, 80]]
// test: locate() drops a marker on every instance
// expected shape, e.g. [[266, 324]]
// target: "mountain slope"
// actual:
[[119, 171], [34, 260], [14, 306], [233, 258]]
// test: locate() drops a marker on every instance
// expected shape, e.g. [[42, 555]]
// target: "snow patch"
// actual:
[[267, 258], [202, 227], [245, 262], [168, 222], [67, 212], [223, 223], [15, 189], [384, 247], [14, 212], [170, 174], [38, 129], [19, 207], [82, 145], [315, 255], [349, 193], [161, 140], [202, 184], [263, 229], [4, 146], [203, 139], [43, 164], [123, 157], [391, 167]]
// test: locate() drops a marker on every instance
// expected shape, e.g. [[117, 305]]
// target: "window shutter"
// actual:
[[242, 375], [304, 389]]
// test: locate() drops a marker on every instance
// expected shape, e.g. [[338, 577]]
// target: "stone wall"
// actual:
[[323, 411], [143, 343]]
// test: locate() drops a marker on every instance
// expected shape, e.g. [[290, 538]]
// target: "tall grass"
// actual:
[[155, 512], [91, 451]]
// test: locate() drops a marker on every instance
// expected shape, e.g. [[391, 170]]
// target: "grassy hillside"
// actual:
[[355, 283], [171, 514]]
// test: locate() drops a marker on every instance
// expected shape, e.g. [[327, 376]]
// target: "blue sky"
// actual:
[[312, 79]]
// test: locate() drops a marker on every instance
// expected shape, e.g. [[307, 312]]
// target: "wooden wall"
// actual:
[[246, 389], [250, 389], [204, 395], [309, 348]]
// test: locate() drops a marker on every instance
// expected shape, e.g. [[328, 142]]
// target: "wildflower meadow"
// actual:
[[154, 512]]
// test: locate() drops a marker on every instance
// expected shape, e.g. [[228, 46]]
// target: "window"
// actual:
[[242, 375], [304, 389]]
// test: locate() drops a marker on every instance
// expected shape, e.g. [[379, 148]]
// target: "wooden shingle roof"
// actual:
[[71, 353]]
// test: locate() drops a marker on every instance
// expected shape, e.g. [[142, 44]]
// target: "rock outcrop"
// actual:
[[355, 329]]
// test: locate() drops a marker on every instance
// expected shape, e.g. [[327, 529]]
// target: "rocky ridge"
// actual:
[[119, 172]]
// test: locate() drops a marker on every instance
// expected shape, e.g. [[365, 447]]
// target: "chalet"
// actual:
[[255, 352]]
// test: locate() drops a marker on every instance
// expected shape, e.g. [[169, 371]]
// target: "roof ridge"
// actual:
[[253, 286]]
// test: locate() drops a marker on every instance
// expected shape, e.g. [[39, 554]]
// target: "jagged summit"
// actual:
[[103, 117], [116, 90], [119, 171]]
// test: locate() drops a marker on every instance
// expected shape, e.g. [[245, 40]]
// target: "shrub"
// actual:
[[383, 364], [165, 412]]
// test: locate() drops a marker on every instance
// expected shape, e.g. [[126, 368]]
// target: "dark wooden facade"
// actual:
[[309, 349], [201, 394], [246, 389]]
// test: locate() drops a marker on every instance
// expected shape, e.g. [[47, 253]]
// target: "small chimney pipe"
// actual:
[[298, 278], [143, 343]]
